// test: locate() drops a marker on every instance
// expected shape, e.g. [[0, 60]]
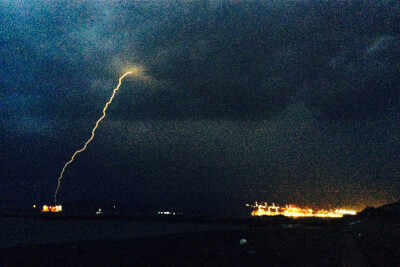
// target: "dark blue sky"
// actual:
[[282, 101]]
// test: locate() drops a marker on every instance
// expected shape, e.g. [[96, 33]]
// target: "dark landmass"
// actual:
[[377, 234]]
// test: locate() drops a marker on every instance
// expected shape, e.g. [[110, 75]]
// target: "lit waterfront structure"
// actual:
[[262, 209], [56, 208]]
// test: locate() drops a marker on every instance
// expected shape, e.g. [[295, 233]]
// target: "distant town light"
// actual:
[[262, 209]]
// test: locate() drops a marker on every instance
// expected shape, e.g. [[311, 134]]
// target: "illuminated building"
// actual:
[[262, 209], [56, 208]]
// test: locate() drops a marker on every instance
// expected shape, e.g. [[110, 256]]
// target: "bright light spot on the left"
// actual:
[[56, 208]]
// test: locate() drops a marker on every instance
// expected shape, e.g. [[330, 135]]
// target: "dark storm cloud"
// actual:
[[255, 59], [210, 59], [361, 81], [52, 56]]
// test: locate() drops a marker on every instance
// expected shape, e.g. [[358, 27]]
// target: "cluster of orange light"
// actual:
[[57, 208], [261, 209]]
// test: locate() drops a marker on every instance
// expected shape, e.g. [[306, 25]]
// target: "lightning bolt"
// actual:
[[91, 137]]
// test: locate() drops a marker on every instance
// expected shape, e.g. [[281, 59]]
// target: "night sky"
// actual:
[[286, 101]]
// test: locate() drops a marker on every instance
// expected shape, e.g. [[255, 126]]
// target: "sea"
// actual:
[[15, 232]]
